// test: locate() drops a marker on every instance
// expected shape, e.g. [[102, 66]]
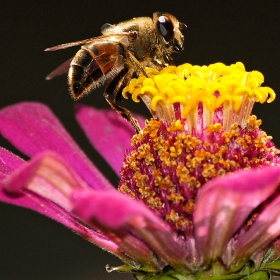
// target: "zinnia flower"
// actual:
[[199, 187]]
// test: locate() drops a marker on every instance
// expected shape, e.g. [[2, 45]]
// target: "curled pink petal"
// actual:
[[32, 128], [55, 212], [47, 175], [119, 208], [88, 205], [42, 185], [109, 133], [224, 204], [263, 231], [161, 241], [124, 216]]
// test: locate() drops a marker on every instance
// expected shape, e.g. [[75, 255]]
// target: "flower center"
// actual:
[[201, 129], [167, 165]]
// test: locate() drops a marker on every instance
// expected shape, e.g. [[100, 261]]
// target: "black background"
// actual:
[[35, 247]]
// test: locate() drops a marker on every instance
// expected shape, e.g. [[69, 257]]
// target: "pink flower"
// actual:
[[194, 223]]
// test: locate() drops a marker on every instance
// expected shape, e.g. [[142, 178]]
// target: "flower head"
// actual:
[[199, 187], [202, 130]]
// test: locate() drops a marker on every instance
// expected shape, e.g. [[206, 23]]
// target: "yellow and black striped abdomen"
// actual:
[[93, 64]]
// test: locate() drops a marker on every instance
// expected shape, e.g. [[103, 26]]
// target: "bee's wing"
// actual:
[[60, 70], [69, 45], [82, 42], [64, 67]]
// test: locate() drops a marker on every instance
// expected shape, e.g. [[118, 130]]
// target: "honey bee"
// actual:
[[123, 50]]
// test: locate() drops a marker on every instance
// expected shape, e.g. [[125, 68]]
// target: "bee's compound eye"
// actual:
[[165, 27]]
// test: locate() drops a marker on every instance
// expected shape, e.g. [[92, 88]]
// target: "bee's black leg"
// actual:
[[114, 88]]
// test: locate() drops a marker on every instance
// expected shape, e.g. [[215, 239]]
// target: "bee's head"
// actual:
[[169, 31]]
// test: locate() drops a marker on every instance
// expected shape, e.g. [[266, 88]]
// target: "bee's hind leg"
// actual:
[[124, 112], [115, 88]]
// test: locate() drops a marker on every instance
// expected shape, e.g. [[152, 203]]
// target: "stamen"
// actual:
[[205, 94]]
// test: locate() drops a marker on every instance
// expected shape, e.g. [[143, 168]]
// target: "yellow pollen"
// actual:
[[179, 221], [175, 126], [217, 127], [125, 189], [253, 218], [175, 198], [154, 202], [253, 122], [189, 206]]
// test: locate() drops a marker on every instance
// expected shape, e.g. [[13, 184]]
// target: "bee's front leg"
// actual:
[[136, 63], [115, 88]]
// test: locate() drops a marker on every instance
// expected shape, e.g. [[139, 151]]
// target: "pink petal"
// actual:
[[8, 162], [262, 232], [86, 201], [35, 185], [108, 132], [32, 128], [47, 175], [116, 214], [51, 210], [224, 204]]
